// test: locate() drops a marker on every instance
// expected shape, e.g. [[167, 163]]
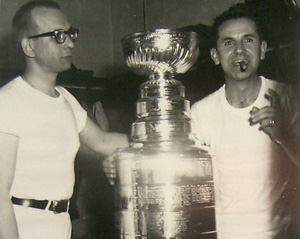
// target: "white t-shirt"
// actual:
[[250, 173], [48, 130]]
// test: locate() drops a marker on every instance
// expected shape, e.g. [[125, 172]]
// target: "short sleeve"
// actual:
[[9, 114], [79, 112]]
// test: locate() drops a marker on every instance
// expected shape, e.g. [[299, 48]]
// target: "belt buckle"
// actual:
[[55, 203], [56, 207]]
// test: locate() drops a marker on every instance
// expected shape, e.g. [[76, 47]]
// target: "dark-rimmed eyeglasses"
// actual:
[[60, 35]]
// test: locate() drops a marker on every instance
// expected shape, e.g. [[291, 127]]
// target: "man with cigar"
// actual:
[[243, 126], [41, 128]]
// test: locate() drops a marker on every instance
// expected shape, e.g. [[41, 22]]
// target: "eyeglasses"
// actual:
[[60, 35]]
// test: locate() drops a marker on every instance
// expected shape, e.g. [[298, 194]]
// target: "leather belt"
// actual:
[[54, 206]]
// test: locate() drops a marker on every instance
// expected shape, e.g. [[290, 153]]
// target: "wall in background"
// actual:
[[103, 23]]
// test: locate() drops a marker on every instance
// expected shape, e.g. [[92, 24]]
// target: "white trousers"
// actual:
[[42, 224]]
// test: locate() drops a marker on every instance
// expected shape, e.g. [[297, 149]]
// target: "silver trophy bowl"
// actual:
[[160, 53]]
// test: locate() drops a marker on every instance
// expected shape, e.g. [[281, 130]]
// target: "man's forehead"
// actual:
[[49, 19], [238, 26]]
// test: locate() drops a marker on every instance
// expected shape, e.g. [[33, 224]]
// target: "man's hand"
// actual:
[[269, 117], [109, 167]]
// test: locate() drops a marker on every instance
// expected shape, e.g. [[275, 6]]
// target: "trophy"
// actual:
[[164, 185], [160, 53]]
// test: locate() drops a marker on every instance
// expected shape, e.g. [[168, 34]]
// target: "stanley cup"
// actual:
[[164, 186], [161, 53]]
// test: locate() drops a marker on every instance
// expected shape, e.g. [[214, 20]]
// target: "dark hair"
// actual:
[[237, 11], [23, 22]]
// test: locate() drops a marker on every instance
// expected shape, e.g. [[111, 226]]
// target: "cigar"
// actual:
[[243, 66]]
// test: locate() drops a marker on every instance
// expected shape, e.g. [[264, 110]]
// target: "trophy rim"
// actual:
[[161, 31]]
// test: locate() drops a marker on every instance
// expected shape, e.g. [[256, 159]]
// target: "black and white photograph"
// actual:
[[149, 119]]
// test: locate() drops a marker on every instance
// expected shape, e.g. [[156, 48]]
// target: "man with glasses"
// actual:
[[59, 35], [41, 128]]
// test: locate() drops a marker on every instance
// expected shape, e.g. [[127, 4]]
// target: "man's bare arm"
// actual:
[[8, 152], [102, 142]]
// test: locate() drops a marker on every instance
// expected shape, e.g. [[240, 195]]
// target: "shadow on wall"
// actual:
[[10, 52]]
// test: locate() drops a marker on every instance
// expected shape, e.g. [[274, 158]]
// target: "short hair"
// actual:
[[23, 21], [237, 11]]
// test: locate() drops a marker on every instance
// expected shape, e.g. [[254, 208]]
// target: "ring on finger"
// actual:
[[272, 122]]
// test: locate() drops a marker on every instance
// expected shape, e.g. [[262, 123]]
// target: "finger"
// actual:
[[111, 182], [273, 97], [109, 162], [108, 170], [267, 126], [108, 165], [254, 109], [262, 114], [267, 123], [252, 112], [111, 175]]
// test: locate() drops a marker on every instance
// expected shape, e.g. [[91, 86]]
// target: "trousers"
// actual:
[[42, 224]]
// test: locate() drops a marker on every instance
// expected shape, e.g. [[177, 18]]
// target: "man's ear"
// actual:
[[263, 49], [214, 56], [27, 47]]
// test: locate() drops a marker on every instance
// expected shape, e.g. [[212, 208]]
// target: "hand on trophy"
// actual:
[[109, 167]]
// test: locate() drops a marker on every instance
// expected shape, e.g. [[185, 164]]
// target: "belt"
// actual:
[[54, 206]]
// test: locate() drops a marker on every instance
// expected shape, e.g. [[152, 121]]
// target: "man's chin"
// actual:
[[242, 74], [239, 76], [66, 66]]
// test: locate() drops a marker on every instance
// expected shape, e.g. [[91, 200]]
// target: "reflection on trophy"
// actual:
[[164, 182]]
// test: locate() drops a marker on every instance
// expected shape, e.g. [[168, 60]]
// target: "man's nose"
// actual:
[[69, 43], [239, 48]]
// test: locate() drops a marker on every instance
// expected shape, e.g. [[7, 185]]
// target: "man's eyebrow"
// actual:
[[226, 39], [249, 35], [231, 38]]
